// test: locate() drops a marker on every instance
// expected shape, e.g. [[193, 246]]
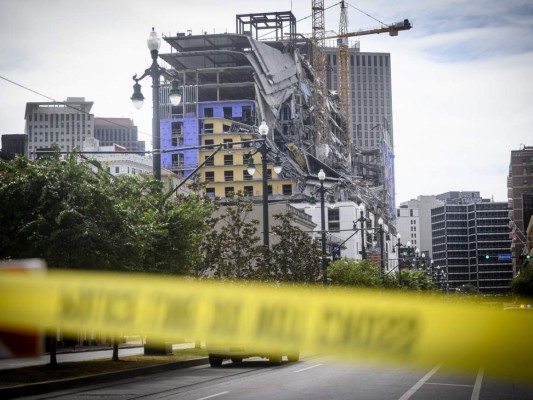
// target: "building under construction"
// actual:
[[233, 81]]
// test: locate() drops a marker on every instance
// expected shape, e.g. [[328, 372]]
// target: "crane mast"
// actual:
[[319, 68], [344, 81]]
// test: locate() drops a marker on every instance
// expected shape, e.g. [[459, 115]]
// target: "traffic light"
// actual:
[[487, 257], [526, 257]]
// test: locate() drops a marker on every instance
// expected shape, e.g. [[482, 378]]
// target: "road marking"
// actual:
[[448, 384], [305, 369], [477, 385], [407, 395], [213, 395]]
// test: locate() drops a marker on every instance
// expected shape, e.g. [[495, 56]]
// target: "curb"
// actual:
[[53, 386]]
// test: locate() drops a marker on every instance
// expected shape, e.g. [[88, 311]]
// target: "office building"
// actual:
[[13, 145], [520, 192], [413, 222], [372, 132], [118, 131], [470, 240], [64, 124]]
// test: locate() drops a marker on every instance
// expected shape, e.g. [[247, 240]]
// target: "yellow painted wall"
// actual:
[[238, 166]]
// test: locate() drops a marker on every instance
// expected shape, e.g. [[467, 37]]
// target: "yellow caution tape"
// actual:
[[377, 326]]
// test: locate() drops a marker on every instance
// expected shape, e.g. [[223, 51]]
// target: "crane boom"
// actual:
[[391, 29]]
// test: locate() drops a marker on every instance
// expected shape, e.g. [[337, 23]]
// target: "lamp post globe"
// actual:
[[153, 42], [263, 129]]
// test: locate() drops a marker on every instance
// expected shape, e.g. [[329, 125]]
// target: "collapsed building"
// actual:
[[233, 81]]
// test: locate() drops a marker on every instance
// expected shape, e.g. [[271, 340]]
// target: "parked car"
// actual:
[[236, 353]]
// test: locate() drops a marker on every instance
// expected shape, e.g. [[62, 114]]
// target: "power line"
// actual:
[[68, 105], [368, 15]]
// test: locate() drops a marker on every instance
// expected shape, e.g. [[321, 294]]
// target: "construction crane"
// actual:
[[319, 65], [392, 29], [344, 80], [343, 68], [320, 92]]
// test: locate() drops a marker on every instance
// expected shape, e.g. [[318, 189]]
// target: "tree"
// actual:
[[231, 248], [348, 272], [294, 258], [56, 210], [65, 212], [522, 285], [413, 279]]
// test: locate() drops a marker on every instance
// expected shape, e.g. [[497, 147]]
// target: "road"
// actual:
[[310, 378]]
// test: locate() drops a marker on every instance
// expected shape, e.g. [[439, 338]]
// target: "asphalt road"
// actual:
[[310, 378]]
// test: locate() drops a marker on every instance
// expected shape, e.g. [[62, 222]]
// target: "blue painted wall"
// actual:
[[191, 134]]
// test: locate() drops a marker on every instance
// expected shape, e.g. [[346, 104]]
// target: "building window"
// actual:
[[208, 142], [177, 141], [246, 176], [227, 112], [245, 158], [228, 176], [210, 176], [117, 170], [334, 224], [228, 159], [269, 190], [287, 190], [229, 191], [210, 192], [209, 161], [249, 190], [209, 128], [178, 160], [228, 143], [208, 112], [269, 173]]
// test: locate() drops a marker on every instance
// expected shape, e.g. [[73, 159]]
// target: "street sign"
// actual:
[[505, 257]]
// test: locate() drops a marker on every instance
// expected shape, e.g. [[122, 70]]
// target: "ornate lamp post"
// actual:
[[398, 245], [322, 190], [381, 231], [264, 150], [156, 72], [362, 220]]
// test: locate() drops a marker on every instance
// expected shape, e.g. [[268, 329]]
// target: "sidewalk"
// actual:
[[90, 353], [83, 353]]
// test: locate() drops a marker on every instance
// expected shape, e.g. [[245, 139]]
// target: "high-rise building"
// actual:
[[520, 191], [413, 222], [65, 124], [370, 114], [471, 242], [121, 131], [13, 145]]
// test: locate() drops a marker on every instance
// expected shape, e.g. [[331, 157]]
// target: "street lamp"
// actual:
[[156, 72], [264, 150], [322, 190], [362, 220], [398, 245], [382, 230]]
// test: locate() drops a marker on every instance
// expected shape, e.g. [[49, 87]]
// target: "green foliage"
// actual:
[[347, 272], [365, 273], [294, 258], [231, 247], [522, 285], [413, 279], [74, 217]]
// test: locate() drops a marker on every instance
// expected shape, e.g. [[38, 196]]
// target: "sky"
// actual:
[[462, 85]]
